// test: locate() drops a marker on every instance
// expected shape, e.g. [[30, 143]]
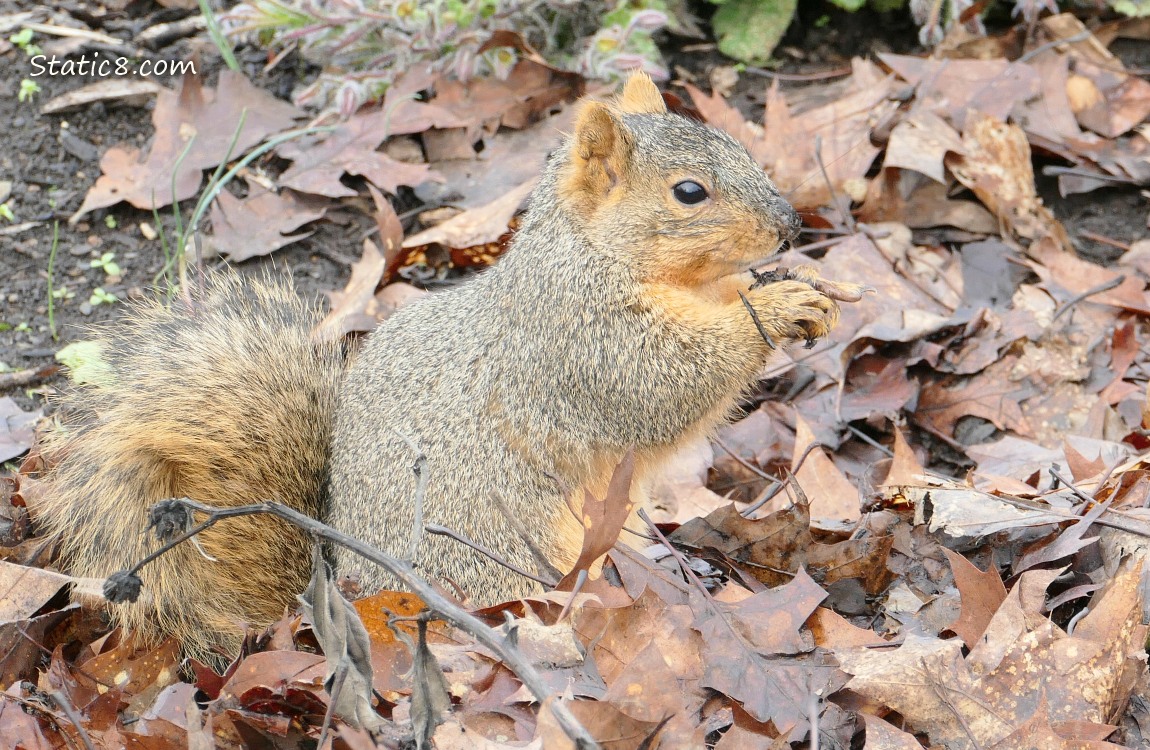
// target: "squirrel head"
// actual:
[[679, 202]]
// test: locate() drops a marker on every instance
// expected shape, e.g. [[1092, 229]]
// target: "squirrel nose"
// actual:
[[791, 223]]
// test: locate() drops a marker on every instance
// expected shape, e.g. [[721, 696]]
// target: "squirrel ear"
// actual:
[[597, 133], [641, 97], [600, 148]]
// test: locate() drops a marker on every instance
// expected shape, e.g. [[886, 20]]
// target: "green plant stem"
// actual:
[[51, 279], [214, 190], [218, 37]]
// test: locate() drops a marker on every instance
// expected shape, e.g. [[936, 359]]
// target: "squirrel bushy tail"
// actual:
[[222, 397]]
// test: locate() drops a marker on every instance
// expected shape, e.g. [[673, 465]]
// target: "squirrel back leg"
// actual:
[[224, 399]]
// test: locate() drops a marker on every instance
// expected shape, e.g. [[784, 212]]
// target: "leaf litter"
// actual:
[[929, 531]]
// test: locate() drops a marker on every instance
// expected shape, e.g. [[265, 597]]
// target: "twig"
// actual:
[[769, 494], [24, 377], [1104, 287], [399, 569], [434, 528], [420, 469], [333, 694], [1070, 486], [848, 219], [1102, 239], [542, 564], [69, 710], [821, 76], [758, 323], [678, 557], [743, 462]]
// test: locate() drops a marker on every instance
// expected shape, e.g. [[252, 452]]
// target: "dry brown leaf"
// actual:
[[1121, 101], [603, 519], [244, 228], [833, 499], [319, 164], [921, 143], [997, 167], [919, 202], [1077, 276], [989, 395], [832, 630], [881, 735], [719, 114], [16, 428], [956, 89], [982, 594], [905, 468], [1051, 115], [1038, 732], [349, 306], [210, 117], [529, 91], [476, 226]]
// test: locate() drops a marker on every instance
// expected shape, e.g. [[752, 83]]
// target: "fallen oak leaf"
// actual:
[[475, 226], [996, 165], [602, 520], [194, 128], [981, 594], [834, 500], [349, 306], [244, 228]]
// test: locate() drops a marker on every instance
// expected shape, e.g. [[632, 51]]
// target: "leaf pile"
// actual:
[[928, 531]]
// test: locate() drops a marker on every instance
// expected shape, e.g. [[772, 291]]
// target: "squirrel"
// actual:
[[617, 321]]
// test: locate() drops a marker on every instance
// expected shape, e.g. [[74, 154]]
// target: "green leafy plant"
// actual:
[[6, 212], [23, 40], [100, 297], [28, 89], [362, 51], [107, 262]]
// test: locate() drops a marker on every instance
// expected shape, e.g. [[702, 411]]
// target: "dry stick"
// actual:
[[1102, 239], [420, 469], [542, 564], [329, 714], [813, 714], [848, 219], [758, 323], [678, 557], [743, 462], [770, 492], [65, 705], [799, 77], [1070, 486], [434, 528], [1070, 303], [24, 377], [405, 573]]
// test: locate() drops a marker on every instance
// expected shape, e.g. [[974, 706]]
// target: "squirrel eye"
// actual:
[[689, 193]]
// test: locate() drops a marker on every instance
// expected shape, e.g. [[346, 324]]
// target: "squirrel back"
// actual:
[[617, 320], [224, 398]]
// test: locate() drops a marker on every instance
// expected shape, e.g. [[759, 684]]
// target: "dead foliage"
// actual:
[[930, 531]]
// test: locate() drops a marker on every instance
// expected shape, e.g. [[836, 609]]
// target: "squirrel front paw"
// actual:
[[787, 310], [837, 290]]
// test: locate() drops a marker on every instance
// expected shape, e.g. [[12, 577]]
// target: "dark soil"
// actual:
[[52, 160]]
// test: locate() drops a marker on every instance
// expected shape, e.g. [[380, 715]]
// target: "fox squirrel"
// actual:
[[614, 322]]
